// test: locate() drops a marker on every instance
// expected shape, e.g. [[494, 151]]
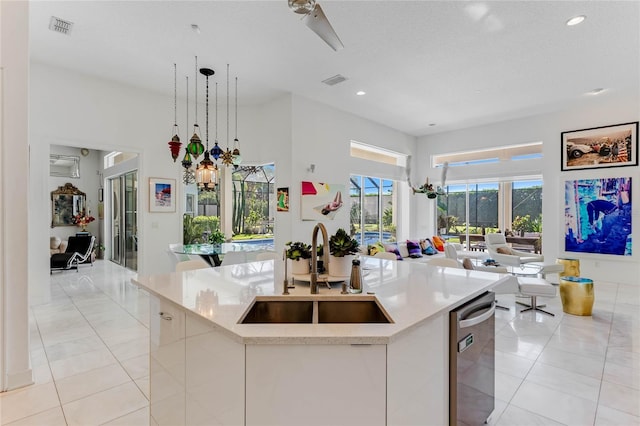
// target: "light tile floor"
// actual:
[[89, 351]]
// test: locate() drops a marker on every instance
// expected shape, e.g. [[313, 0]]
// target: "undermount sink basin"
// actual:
[[351, 311], [315, 311], [279, 312]]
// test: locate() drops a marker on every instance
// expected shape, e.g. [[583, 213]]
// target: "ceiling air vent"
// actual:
[[332, 81], [60, 25]]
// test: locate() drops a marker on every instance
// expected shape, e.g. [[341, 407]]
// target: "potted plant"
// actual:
[[342, 249], [299, 253]]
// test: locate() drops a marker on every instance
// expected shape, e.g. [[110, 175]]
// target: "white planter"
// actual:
[[340, 266], [300, 266]]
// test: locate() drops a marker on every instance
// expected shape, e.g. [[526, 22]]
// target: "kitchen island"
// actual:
[[207, 367]]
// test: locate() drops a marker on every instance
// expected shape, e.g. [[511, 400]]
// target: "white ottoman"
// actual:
[[535, 287], [549, 268]]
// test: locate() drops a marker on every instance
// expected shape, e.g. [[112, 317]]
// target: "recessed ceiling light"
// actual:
[[361, 93], [576, 20], [596, 91], [195, 28]]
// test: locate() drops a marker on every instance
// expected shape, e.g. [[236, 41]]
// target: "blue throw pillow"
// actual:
[[429, 251], [413, 247]]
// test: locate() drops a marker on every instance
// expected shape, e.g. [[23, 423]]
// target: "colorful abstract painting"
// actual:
[[598, 216], [321, 201], [282, 204]]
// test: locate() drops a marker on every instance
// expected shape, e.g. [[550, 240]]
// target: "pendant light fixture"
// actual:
[[188, 174], [216, 151], [205, 172], [195, 147], [174, 143], [237, 159], [227, 156]]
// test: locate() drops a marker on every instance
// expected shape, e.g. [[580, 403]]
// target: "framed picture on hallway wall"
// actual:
[[162, 196], [599, 147]]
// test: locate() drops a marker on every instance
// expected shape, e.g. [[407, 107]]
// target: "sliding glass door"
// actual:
[[124, 216]]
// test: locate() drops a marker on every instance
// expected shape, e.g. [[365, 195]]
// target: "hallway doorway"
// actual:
[[123, 190]]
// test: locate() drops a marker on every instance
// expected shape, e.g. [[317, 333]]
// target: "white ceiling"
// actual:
[[452, 63]]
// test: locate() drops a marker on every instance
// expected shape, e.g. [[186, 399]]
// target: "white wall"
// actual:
[[547, 128], [15, 214], [321, 135]]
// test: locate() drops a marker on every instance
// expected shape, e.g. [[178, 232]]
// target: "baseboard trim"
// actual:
[[19, 379]]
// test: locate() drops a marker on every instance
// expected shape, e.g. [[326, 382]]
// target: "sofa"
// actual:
[[402, 251]]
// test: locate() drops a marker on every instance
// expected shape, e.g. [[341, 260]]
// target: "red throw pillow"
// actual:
[[438, 243]]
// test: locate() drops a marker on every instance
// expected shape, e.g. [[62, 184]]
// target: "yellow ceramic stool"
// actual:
[[577, 296], [571, 267]]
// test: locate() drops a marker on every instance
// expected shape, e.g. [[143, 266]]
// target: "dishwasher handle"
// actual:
[[480, 318]]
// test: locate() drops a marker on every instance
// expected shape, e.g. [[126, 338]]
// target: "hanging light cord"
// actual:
[[175, 96], [236, 109], [216, 112], [207, 115], [196, 119], [187, 106], [227, 106]]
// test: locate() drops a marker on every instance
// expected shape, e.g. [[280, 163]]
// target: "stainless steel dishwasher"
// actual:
[[472, 361]]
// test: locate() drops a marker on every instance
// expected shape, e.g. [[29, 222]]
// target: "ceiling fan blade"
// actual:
[[318, 23]]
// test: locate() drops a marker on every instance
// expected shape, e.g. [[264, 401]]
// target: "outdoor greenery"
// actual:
[[483, 211], [200, 229]]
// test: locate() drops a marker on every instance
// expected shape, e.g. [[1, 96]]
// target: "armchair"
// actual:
[[503, 254], [79, 250]]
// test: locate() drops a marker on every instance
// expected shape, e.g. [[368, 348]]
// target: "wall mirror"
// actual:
[[64, 166], [66, 202]]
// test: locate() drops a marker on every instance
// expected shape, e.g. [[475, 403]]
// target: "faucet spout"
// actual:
[[313, 280]]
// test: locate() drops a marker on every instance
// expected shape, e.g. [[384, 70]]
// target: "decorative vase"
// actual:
[[300, 266], [340, 266]]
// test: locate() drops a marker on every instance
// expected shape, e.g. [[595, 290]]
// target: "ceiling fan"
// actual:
[[317, 21]]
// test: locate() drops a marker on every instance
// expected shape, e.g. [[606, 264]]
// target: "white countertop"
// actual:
[[409, 292]]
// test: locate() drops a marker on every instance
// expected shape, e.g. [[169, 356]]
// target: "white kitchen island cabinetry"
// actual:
[[207, 368]]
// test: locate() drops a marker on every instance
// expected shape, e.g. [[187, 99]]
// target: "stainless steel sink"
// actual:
[[342, 310], [351, 311], [279, 312]]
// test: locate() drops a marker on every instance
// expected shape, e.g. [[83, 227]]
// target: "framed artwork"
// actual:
[[608, 146], [67, 202], [321, 201], [597, 215], [283, 200], [162, 197]]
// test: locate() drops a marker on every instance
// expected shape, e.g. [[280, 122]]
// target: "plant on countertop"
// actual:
[[341, 244], [298, 250]]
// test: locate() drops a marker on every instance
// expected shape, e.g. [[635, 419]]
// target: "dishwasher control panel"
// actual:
[[465, 343]]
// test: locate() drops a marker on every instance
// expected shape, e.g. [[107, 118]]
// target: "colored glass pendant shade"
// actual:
[[237, 158], [216, 151], [195, 147], [174, 146]]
